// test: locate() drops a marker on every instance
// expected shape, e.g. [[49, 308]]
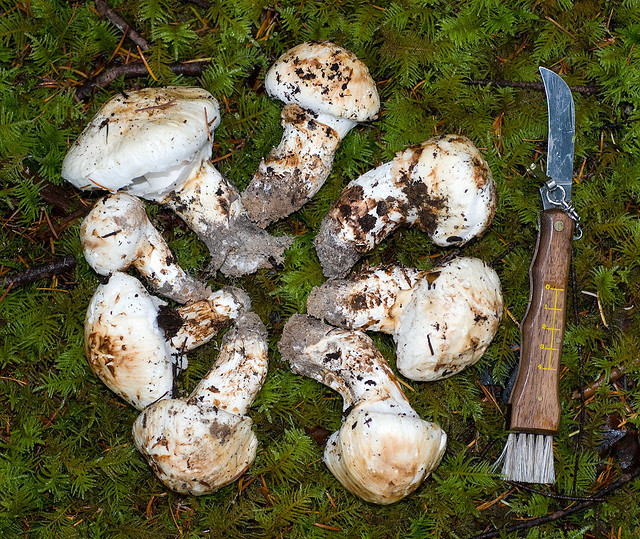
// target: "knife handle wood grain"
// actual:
[[535, 403]]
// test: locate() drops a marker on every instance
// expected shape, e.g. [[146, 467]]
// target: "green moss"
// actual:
[[68, 467]]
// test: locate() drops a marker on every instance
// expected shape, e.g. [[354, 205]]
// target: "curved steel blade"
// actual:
[[561, 131]]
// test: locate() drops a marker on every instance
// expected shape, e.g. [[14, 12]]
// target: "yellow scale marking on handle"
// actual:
[[552, 329]]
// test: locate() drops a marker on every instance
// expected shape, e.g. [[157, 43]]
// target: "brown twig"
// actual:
[[107, 13], [44, 232], [504, 253], [55, 267], [586, 90], [589, 391], [563, 497], [535, 522], [131, 71]]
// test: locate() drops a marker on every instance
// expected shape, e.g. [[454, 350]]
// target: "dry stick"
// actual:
[[504, 253], [525, 486], [623, 480], [55, 267], [64, 223], [107, 13], [480, 456], [586, 90], [615, 374], [132, 71]]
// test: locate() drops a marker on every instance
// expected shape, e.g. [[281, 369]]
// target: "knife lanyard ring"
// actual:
[[553, 188]]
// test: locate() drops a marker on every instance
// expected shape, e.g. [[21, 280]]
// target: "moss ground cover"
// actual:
[[67, 464]]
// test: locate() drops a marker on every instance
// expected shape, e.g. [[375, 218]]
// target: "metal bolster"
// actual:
[[554, 195]]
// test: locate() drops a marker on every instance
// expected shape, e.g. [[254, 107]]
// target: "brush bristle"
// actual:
[[528, 458]]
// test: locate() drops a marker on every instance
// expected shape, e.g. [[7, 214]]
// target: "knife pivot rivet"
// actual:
[[559, 226]]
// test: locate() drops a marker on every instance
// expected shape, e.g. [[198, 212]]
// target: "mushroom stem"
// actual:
[[364, 301], [198, 445], [117, 233], [383, 451], [240, 370], [443, 186], [211, 207], [346, 361], [295, 171]]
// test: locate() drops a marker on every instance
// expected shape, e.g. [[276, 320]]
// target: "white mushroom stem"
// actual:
[[383, 451], [117, 234], [211, 207], [199, 444], [135, 344], [442, 320], [296, 170], [327, 91], [442, 186]]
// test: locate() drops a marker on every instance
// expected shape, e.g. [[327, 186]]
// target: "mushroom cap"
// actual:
[[452, 195], [125, 346], [325, 78], [111, 233], [194, 449], [449, 319], [383, 457], [140, 133]]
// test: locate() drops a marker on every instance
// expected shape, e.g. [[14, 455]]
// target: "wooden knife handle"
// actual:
[[535, 403]]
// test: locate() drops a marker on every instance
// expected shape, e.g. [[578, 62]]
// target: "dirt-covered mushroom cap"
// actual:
[[199, 444], [136, 344], [325, 78], [141, 133], [117, 234], [383, 451], [449, 320], [458, 187], [443, 186], [387, 459]]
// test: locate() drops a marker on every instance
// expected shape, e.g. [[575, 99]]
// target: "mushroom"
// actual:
[[117, 234], [327, 91], [199, 444], [443, 186], [154, 143], [383, 450], [136, 344], [442, 320]]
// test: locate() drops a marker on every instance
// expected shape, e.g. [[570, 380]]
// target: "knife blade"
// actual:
[[534, 401], [561, 138]]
